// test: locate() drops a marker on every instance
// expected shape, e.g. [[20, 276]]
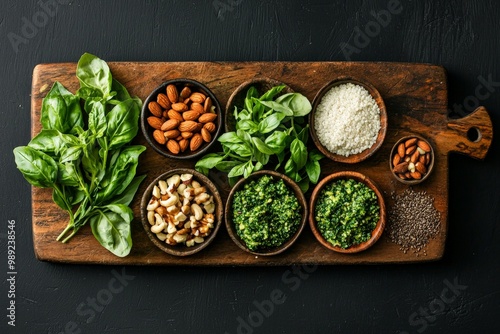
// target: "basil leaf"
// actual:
[[230, 137], [261, 157], [261, 146], [271, 93], [278, 107], [61, 110], [226, 166], [247, 169], [303, 185], [94, 73], [38, 168], [315, 155], [300, 105], [61, 201], [70, 153], [47, 141], [122, 124], [313, 170], [251, 93], [248, 126], [237, 170], [128, 194], [120, 90], [111, 227], [67, 175], [97, 119], [120, 173], [299, 153], [209, 161], [277, 141], [271, 122]]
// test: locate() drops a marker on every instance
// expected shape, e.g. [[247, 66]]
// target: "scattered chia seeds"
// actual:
[[413, 221]]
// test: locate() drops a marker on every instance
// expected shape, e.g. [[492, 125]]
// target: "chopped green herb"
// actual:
[[346, 213], [266, 213]]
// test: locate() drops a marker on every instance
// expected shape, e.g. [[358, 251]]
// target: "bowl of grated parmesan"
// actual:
[[348, 121]]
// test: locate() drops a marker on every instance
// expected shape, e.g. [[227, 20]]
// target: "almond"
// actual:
[[415, 156], [165, 114], [207, 117], [183, 144], [197, 107], [401, 168], [180, 106], [179, 138], [191, 115], [207, 106], [172, 114], [427, 159], [172, 134], [188, 126], [421, 168], [198, 97], [170, 124], [187, 101], [424, 146], [159, 137], [410, 142], [155, 109], [410, 150], [206, 135], [172, 93], [154, 122], [401, 150], [185, 92], [421, 159], [395, 161], [210, 127], [173, 146], [195, 142], [408, 175], [416, 175], [163, 101], [402, 176], [186, 135]]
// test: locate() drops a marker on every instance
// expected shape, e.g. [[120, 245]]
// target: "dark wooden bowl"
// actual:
[[182, 250], [237, 98], [147, 130], [354, 158], [429, 168], [229, 220], [379, 228]]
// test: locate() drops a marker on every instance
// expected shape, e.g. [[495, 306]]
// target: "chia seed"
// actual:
[[413, 221]]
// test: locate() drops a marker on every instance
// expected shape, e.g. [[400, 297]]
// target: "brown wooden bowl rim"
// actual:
[[358, 157], [377, 231], [429, 169], [228, 216], [182, 250], [147, 130], [242, 88]]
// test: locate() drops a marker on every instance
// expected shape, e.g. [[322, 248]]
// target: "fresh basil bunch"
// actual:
[[90, 167], [269, 128]]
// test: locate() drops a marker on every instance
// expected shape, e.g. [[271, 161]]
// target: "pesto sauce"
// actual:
[[266, 213], [346, 213]]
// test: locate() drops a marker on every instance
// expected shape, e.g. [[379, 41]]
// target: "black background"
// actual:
[[460, 35]]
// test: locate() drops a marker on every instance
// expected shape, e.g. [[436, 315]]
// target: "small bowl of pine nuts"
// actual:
[[181, 211], [181, 119]]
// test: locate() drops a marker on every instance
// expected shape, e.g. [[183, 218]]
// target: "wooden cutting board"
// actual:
[[416, 99]]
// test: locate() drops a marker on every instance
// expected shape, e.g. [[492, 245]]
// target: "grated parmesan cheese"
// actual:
[[347, 119]]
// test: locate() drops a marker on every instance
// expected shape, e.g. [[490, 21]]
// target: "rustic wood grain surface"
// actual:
[[416, 100]]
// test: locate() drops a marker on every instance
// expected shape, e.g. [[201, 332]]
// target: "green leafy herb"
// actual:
[[268, 130], [92, 170]]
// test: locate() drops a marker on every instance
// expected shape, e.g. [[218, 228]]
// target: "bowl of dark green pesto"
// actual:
[[347, 212], [265, 213]]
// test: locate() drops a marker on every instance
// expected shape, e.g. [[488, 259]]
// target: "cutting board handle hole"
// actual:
[[474, 135]]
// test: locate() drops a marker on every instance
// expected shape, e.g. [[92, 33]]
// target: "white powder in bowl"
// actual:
[[347, 119]]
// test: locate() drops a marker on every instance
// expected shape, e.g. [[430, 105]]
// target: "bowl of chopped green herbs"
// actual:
[[347, 212], [265, 213]]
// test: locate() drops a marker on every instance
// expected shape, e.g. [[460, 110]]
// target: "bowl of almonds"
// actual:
[[412, 159], [181, 119], [181, 211]]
